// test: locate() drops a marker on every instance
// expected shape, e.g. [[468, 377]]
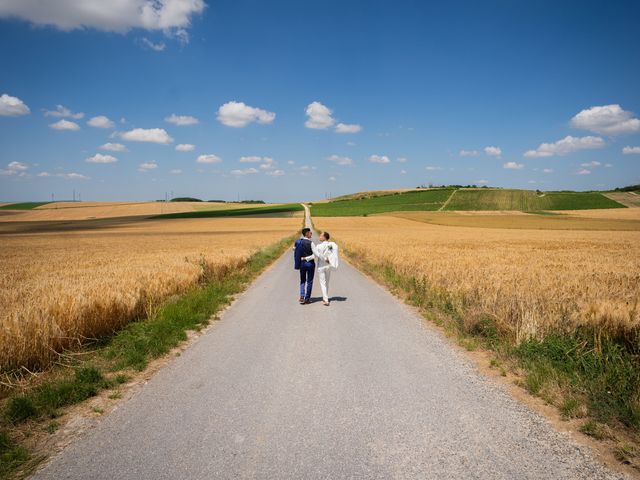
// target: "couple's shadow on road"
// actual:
[[331, 299]]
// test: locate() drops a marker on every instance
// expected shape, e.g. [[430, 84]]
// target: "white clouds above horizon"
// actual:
[[275, 173], [15, 168], [101, 158], [147, 166], [584, 171], [210, 158], [565, 146], [185, 147], [493, 151], [65, 125], [513, 166], [606, 120], [320, 117], [181, 120], [113, 147], [12, 106], [172, 17], [379, 159], [66, 176], [156, 47], [432, 168], [101, 122], [631, 150], [239, 115], [149, 135], [469, 153], [175, 171], [64, 112], [244, 171], [338, 160], [348, 128]]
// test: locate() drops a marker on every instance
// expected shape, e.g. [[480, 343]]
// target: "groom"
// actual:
[[303, 248]]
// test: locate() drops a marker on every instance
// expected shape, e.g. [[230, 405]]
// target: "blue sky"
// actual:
[[294, 100]]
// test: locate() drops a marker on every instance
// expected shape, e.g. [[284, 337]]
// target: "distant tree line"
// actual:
[[630, 188]]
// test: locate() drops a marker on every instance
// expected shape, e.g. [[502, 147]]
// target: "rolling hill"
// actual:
[[463, 199]]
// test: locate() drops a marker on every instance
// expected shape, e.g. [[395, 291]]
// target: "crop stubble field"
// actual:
[[90, 210], [531, 281], [58, 289]]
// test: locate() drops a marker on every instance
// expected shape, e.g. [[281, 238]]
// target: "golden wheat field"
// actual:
[[57, 289], [529, 281], [89, 210]]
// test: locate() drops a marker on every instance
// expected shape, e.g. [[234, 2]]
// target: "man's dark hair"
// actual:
[[326, 235], [305, 230]]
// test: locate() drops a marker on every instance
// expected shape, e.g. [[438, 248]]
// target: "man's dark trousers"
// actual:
[[307, 270]]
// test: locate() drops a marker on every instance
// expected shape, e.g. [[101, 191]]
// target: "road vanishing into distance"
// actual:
[[361, 389]]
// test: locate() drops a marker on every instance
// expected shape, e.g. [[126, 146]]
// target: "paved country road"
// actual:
[[360, 389]]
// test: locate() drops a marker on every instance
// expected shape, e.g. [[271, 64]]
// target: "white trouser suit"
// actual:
[[323, 268]]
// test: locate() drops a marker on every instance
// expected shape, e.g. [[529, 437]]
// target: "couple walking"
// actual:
[[305, 255]]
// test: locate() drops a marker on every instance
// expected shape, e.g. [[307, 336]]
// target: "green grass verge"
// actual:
[[131, 348], [235, 212], [585, 370], [528, 200], [23, 206], [423, 200]]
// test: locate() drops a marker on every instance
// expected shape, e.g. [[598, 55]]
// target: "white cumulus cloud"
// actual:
[[547, 170], [631, 150], [584, 171], [348, 128], [513, 166], [493, 151], [66, 176], [175, 171], [181, 120], [379, 159], [172, 17], [64, 112], [431, 168], [185, 147], [100, 158], [401, 160], [338, 160], [275, 173], [239, 114], [318, 116], [469, 153], [591, 164], [12, 106], [210, 158], [565, 146], [606, 120], [150, 135], [250, 159], [65, 125], [14, 168], [114, 147], [147, 166], [244, 171], [101, 122]]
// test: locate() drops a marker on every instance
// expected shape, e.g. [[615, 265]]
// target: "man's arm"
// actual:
[[315, 253]]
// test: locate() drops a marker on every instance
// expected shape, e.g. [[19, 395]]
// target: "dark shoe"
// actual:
[[301, 300], [307, 302]]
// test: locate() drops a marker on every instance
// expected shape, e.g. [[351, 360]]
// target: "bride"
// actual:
[[326, 253]]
